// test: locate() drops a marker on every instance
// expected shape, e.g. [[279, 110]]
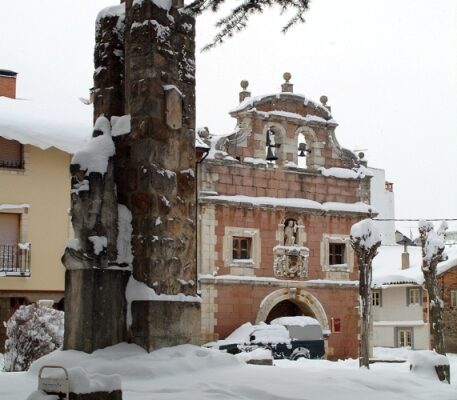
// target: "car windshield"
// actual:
[[270, 334], [310, 332]]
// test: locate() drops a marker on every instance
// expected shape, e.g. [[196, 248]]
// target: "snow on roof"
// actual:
[[199, 143], [291, 115], [293, 203], [451, 262], [387, 265], [346, 173], [62, 123], [295, 321], [250, 102]]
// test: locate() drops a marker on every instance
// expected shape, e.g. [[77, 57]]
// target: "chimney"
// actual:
[[8, 83], [405, 256], [287, 86], [244, 93]]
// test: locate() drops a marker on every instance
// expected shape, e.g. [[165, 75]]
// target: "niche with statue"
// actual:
[[290, 256]]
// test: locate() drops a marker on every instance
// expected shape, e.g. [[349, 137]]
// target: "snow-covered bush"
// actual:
[[425, 362], [33, 331]]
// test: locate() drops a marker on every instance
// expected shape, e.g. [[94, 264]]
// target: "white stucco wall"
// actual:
[[384, 203], [394, 306], [394, 312], [385, 336]]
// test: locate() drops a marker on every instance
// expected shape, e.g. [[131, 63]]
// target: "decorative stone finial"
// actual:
[[287, 86], [324, 99], [244, 93]]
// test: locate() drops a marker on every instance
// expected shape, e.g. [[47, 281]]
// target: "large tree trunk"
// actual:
[[365, 240], [365, 305]]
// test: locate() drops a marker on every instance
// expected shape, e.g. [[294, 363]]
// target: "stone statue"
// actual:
[[289, 233]]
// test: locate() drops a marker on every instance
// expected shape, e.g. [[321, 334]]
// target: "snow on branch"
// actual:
[[366, 234], [432, 243]]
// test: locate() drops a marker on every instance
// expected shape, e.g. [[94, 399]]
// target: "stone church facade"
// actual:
[[277, 199]]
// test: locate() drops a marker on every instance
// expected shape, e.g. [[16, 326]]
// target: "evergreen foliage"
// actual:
[[237, 19]]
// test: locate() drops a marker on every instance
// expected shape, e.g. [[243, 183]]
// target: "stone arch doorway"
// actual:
[[292, 300], [285, 308]]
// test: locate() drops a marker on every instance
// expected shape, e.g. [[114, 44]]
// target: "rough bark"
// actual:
[[365, 258], [429, 265]]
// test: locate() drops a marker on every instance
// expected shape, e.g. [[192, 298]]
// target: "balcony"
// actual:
[[15, 259]]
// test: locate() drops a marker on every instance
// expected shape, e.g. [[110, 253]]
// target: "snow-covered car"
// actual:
[[287, 337]]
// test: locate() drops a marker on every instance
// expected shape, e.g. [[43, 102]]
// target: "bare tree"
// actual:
[[432, 253], [238, 18], [365, 239]]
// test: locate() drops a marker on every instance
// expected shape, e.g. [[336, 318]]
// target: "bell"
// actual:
[[270, 155], [303, 150]]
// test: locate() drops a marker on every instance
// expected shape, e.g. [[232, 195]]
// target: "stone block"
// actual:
[[266, 361], [115, 395], [158, 324], [99, 296]]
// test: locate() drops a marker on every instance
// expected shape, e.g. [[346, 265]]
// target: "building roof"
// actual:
[[251, 102], [8, 72], [62, 123], [387, 265]]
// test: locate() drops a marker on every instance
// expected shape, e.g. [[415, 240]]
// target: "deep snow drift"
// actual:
[[189, 372]]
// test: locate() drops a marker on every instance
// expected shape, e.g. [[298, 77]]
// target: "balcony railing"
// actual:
[[15, 259], [19, 164]]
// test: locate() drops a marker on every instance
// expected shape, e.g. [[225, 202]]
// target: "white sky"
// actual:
[[389, 69]]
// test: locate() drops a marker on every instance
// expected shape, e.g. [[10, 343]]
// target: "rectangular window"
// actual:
[[241, 248], [336, 253], [9, 228], [454, 298], [10, 154], [376, 298], [14, 256], [336, 324], [404, 337], [414, 296]]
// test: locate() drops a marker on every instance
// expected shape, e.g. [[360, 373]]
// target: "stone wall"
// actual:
[[234, 179], [156, 161], [240, 303], [269, 221], [8, 86], [448, 282], [145, 68]]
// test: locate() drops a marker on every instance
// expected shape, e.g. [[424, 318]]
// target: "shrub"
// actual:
[[32, 332]]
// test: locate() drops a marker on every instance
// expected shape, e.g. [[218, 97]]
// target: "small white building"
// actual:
[[400, 314], [400, 301]]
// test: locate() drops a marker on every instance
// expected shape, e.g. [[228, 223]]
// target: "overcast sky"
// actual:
[[388, 68]]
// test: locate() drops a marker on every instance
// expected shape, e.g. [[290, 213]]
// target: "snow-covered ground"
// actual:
[[189, 372]]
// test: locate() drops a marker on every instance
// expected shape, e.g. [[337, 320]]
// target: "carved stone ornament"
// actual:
[[173, 111], [290, 262]]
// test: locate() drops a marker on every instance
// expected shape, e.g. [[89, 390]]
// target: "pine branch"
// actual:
[[237, 19]]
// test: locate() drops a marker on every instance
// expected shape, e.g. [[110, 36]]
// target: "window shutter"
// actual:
[[9, 228], [10, 153]]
